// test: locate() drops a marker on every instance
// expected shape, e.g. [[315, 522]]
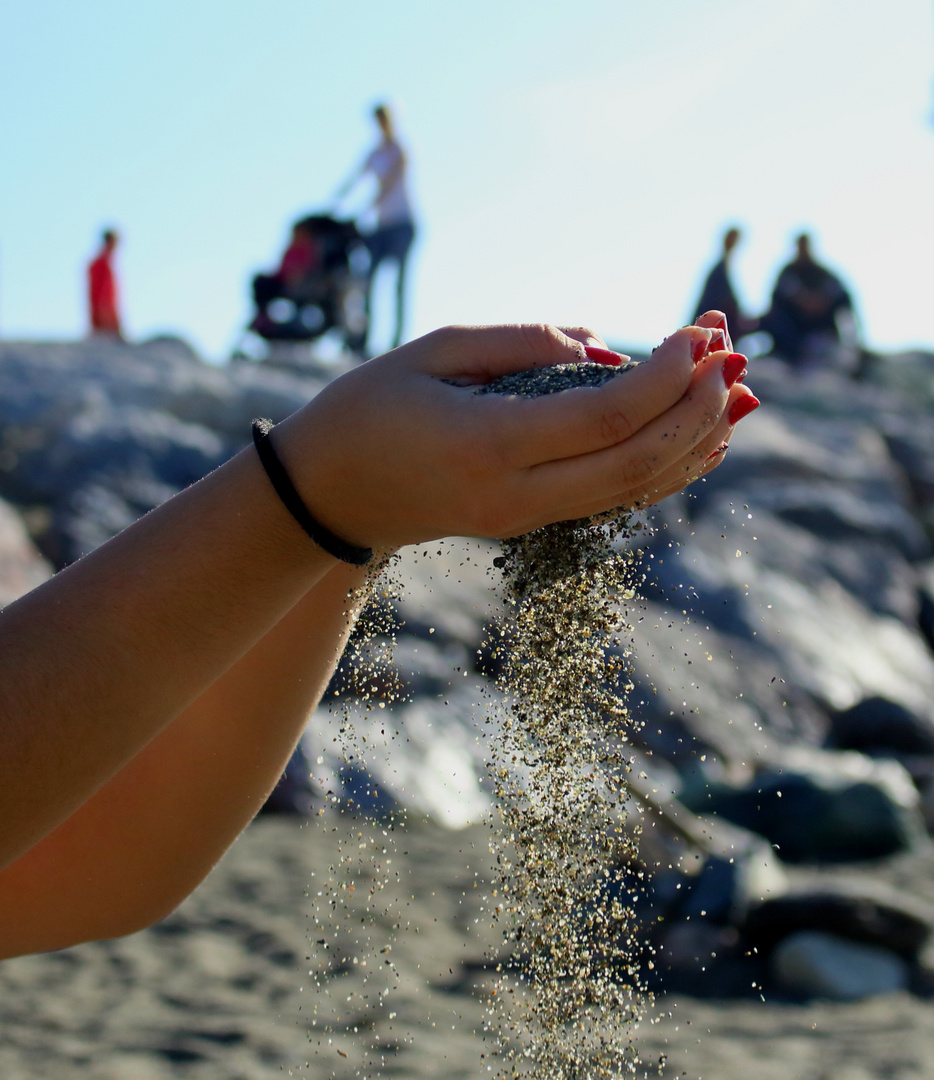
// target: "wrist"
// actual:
[[329, 541]]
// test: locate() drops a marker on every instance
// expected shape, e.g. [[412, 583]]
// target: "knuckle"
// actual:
[[581, 333], [544, 338], [641, 472], [615, 426]]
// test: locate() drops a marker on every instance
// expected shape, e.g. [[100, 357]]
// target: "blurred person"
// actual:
[[718, 292], [104, 317], [152, 692], [807, 303], [394, 234], [300, 259]]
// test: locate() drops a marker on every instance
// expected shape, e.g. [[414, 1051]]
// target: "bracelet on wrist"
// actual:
[[292, 501]]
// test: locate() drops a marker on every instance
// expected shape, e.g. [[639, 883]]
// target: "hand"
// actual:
[[401, 450]]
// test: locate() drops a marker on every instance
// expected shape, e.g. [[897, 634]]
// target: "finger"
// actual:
[[585, 420], [584, 335], [595, 348], [479, 354], [614, 475], [716, 320], [702, 459]]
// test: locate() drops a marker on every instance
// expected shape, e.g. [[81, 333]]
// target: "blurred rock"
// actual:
[[822, 965], [21, 566], [822, 807], [880, 727], [859, 910], [101, 416]]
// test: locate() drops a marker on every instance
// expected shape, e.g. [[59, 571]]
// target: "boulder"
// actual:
[[822, 807], [822, 965], [21, 566], [881, 727], [859, 910]]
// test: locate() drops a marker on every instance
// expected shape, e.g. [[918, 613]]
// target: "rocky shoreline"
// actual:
[[784, 651]]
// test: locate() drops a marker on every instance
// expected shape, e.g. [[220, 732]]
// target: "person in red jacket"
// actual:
[[102, 289]]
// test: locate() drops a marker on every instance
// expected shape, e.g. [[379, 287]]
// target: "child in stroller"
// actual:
[[320, 286]]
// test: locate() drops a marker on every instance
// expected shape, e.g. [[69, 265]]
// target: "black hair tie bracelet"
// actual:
[[292, 501]]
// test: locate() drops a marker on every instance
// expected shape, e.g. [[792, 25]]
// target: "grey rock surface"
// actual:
[[21, 566], [822, 965]]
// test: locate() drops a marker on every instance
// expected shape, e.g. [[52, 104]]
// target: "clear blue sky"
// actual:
[[572, 161]]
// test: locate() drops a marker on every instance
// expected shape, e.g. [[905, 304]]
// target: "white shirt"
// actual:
[[393, 206]]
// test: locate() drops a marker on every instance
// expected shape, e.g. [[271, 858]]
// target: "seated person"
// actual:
[[301, 258], [152, 692], [806, 301]]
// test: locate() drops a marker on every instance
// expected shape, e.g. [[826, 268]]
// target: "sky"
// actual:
[[572, 162]]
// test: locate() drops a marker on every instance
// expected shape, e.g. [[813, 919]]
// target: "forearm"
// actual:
[[99, 660], [152, 833]]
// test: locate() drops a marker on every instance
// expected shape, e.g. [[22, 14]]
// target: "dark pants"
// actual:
[[391, 244]]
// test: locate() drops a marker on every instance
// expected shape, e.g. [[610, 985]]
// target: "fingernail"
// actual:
[[717, 342], [721, 323], [733, 367], [742, 407], [603, 356], [721, 449], [699, 349]]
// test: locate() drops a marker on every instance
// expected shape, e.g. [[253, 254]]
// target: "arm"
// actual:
[[98, 661], [150, 693], [147, 838], [352, 180]]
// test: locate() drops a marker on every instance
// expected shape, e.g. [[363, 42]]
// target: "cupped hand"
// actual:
[[403, 450]]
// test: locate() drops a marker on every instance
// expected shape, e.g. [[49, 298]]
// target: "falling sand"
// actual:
[[566, 848], [567, 993]]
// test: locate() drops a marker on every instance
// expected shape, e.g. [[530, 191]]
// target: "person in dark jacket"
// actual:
[[806, 301]]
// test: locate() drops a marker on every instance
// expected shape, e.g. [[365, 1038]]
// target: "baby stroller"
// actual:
[[321, 286]]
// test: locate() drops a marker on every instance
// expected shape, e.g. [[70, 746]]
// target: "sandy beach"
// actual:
[[257, 976]]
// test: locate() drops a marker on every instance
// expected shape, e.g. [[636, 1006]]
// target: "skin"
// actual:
[[152, 693]]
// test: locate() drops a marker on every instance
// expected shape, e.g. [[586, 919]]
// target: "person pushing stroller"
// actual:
[[392, 239]]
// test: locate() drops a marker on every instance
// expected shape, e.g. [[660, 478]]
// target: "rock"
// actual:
[[910, 375], [83, 419], [21, 566], [447, 591], [705, 868], [822, 807], [822, 965], [819, 635], [294, 794], [926, 603], [425, 755], [880, 727], [862, 910], [912, 447]]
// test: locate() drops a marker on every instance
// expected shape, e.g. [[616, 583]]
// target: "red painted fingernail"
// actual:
[[721, 323], [603, 356], [717, 342], [733, 367], [699, 349], [742, 407], [721, 449]]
